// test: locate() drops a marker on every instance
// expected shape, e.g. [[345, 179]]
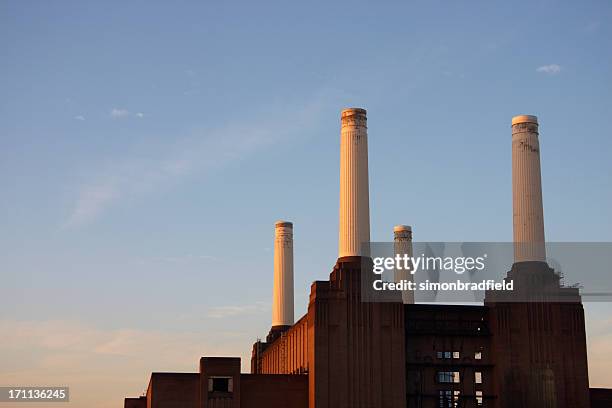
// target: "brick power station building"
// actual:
[[345, 352]]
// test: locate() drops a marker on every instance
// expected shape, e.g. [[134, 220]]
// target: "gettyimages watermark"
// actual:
[[465, 272]]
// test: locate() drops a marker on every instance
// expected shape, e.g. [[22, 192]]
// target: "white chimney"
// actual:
[[354, 228], [528, 215], [282, 302], [402, 243]]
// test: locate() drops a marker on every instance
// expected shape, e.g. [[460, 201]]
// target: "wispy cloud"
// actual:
[[91, 201], [551, 69], [83, 356], [79, 117], [221, 312], [117, 113], [202, 152]]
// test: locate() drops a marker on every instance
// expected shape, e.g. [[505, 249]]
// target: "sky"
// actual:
[[147, 148]]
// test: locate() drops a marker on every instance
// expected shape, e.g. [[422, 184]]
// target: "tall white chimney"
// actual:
[[402, 243], [354, 228], [528, 215], [282, 302]]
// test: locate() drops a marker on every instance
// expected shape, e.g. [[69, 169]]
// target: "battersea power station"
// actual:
[[346, 352]]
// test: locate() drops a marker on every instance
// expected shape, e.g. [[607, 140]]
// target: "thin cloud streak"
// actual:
[[83, 356], [133, 177], [91, 201], [117, 113], [551, 69], [222, 312]]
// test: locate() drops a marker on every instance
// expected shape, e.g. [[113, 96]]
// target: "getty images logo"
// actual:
[[459, 264]]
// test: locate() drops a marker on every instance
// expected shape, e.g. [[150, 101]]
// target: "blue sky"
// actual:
[[148, 147]]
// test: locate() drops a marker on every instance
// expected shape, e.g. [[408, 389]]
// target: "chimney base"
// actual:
[[276, 332]]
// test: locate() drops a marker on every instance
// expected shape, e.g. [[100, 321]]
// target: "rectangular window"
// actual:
[[479, 398], [448, 377], [220, 384], [455, 354], [478, 377], [478, 355], [447, 355]]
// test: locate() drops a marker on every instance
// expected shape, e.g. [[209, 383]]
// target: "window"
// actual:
[[479, 398], [448, 399], [447, 355], [478, 355], [448, 376], [220, 384], [478, 377]]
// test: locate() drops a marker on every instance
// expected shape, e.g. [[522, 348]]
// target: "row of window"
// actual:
[[454, 377], [447, 355], [450, 398]]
